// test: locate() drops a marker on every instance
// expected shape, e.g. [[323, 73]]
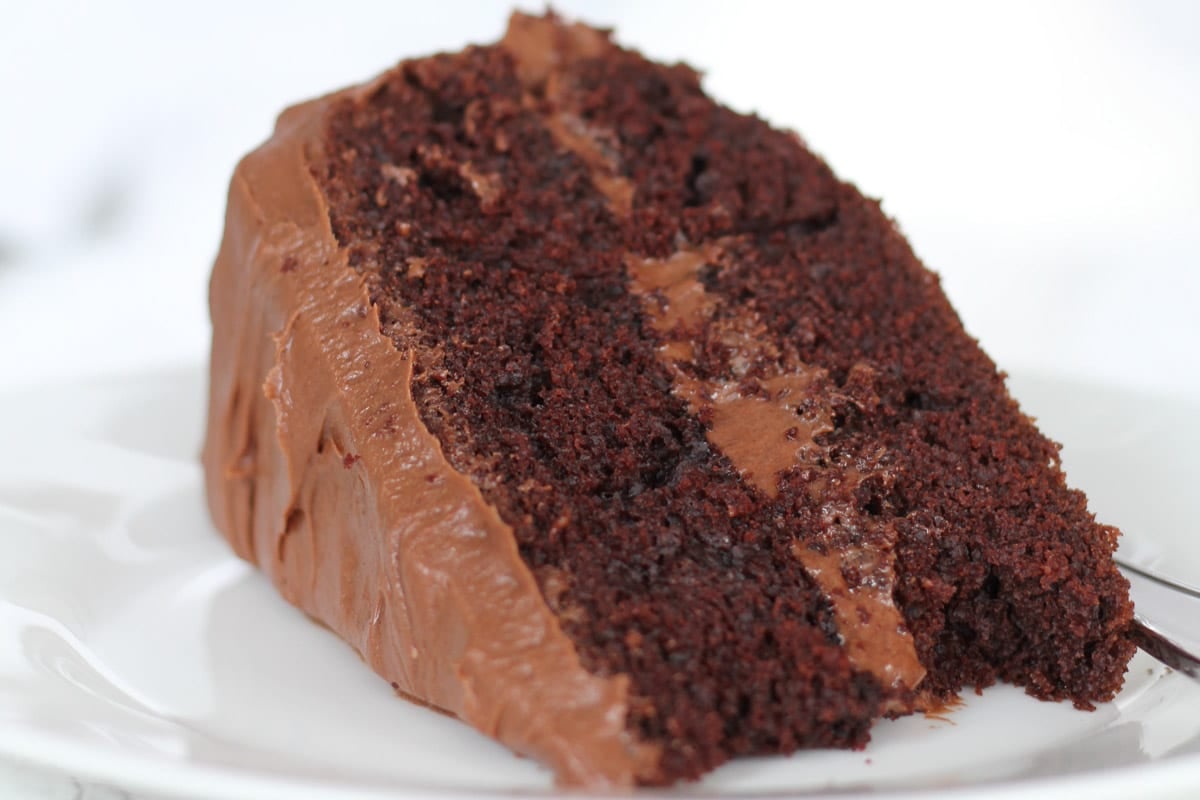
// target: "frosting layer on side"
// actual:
[[319, 470]]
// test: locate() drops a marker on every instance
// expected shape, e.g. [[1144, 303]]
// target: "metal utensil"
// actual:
[[1166, 619]]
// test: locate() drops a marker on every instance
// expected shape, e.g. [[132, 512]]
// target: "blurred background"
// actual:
[[1044, 157]]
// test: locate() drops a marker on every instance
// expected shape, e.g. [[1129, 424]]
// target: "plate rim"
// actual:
[[180, 777]]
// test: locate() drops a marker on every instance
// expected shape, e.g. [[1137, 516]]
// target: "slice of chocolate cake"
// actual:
[[612, 422]]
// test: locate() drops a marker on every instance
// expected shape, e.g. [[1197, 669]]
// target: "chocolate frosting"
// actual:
[[541, 47], [319, 470]]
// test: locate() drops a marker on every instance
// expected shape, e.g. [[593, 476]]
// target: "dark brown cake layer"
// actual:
[[598, 271]]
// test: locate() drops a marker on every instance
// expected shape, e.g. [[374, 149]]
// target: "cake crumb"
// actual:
[[401, 176], [416, 266], [488, 187]]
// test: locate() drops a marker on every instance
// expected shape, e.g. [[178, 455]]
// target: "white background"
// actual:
[[1044, 158]]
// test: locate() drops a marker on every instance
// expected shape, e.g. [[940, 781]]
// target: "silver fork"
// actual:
[[1165, 618]]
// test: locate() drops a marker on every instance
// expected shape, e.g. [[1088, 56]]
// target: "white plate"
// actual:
[[136, 650]]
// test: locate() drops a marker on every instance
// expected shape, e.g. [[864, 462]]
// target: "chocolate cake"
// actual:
[[612, 422]]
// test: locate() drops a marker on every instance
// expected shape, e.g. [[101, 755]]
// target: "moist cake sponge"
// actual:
[[612, 422]]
